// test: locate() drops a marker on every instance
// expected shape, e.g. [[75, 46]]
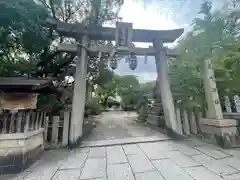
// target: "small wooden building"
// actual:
[[22, 93], [21, 124]]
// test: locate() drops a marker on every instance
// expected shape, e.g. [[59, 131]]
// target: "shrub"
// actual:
[[92, 107]]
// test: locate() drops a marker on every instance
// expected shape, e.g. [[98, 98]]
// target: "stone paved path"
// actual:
[[191, 159], [148, 155], [119, 125]]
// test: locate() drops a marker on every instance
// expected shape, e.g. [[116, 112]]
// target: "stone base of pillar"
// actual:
[[155, 120], [155, 115], [173, 134], [75, 144], [222, 132]]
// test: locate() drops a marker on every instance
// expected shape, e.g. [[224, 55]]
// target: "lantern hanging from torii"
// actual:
[[123, 46]]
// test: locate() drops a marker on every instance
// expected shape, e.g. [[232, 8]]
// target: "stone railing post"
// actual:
[[186, 125]]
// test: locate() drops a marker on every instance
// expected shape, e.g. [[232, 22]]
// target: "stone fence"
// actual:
[[223, 132], [56, 132], [188, 120], [24, 134], [21, 139]]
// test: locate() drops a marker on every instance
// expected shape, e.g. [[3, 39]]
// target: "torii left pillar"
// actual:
[[172, 125], [79, 94]]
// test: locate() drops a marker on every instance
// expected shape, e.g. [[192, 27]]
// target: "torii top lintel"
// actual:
[[108, 33]]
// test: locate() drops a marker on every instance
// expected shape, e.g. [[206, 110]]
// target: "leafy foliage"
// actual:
[[92, 107], [213, 36]]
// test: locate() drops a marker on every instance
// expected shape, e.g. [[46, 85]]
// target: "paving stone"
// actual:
[[132, 149], [232, 161], [97, 152], [151, 175], [190, 151], [119, 172], [140, 163], [124, 141], [232, 177], [42, 173], [83, 150], [116, 155], [213, 152], [67, 175], [194, 142], [94, 168], [202, 173], [11, 177], [166, 146], [74, 161], [182, 160], [19, 176], [216, 166], [170, 170], [152, 152], [235, 152], [47, 165]]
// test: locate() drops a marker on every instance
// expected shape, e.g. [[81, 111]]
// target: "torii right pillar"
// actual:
[[173, 127], [214, 127]]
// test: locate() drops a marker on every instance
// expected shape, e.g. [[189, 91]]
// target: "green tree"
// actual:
[[213, 36], [128, 90], [107, 90], [22, 36]]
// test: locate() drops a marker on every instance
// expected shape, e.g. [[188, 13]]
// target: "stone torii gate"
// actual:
[[124, 36]]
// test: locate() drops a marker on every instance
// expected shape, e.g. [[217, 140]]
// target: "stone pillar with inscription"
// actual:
[[214, 127], [212, 98]]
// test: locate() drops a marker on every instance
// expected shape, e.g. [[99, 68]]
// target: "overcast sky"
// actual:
[[163, 15]]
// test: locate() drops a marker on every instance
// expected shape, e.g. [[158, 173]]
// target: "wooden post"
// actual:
[[26, 128], [186, 122], [5, 118], [46, 127], [41, 119], [32, 120], [12, 119], [55, 123], [65, 128], [19, 121], [36, 120]]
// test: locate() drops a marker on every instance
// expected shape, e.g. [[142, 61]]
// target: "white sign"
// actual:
[[237, 102], [227, 104], [124, 33]]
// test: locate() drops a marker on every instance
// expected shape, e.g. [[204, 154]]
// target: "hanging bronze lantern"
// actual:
[[145, 59], [127, 58], [113, 62], [133, 62]]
